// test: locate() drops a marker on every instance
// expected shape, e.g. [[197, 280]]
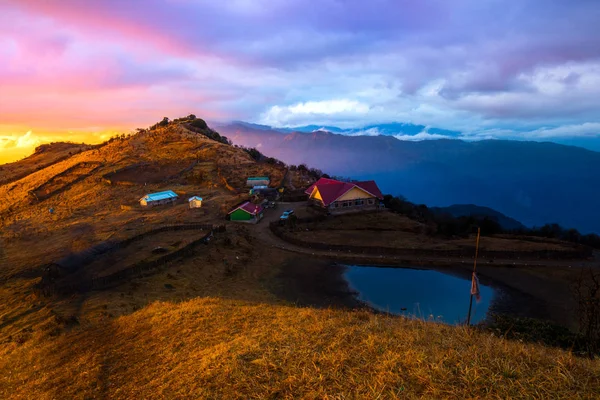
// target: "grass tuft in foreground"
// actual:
[[214, 348]]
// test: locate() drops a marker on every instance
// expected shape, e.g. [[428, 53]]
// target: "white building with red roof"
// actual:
[[340, 197]]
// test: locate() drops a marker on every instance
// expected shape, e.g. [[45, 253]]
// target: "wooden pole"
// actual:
[[474, 270]]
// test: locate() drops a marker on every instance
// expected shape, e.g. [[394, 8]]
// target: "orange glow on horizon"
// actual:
[[16, 146]]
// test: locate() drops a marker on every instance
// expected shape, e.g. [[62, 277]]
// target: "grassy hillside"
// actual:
[[190, 163], [215, 348], [89, 209], [44, 156], [223, 321]]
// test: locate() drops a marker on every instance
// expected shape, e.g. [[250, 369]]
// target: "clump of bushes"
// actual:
[[448, 225], [115, 138], [195, 124], [189, 118], [254, 153], [199, 123], [164, 122], [259, 157], [555, 231], [311, 172], [537, 331]]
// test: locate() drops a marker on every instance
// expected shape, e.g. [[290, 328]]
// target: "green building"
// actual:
[[247, 212]]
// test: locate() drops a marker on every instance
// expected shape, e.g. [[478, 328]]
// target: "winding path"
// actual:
[[264, 234]]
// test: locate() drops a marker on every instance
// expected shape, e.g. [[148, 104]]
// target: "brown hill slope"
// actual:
[[44, 156], [175, 157], [94, 194]]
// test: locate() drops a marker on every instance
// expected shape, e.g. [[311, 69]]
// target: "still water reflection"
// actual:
[[416, 292]]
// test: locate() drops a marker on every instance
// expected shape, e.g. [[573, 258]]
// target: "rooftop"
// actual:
[[168, 194], [321, 181], [250, 208], [331, 190]]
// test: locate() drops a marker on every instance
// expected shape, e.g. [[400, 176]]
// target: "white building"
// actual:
[[195, 202]]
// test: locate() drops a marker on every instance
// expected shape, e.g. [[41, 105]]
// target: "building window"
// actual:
[[371, 202]]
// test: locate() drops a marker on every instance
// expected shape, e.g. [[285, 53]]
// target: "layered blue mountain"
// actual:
[[389, 129], [534, 182], [472, 210]]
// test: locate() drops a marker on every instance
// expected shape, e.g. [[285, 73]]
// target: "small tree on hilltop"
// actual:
[[255, 154], [591, 240], [572, 235], [199, 123], [490, 226], [315, 173]]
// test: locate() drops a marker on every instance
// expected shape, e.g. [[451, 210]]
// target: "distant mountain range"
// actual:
[[472, 210], [387, 129], [408, 131], [533, 182]]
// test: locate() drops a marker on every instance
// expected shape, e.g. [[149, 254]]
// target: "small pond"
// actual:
[[419, 293]]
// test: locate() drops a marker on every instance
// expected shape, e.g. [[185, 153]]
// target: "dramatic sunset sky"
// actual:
[[86, 69]]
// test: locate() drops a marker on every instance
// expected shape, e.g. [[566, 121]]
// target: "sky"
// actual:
[[83, 70]]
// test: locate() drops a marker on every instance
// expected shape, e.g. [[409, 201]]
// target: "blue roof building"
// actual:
[[258, 181], [153, 199]]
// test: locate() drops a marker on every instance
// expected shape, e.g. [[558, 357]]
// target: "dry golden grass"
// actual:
[[240, 343], [98, 204], [45, 156], [215, 348]]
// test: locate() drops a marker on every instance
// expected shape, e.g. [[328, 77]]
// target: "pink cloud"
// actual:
[[58, 77], [43, 53], [141, 25], [79, 63], [122, 107]]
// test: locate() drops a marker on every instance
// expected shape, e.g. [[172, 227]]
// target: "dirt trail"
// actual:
[[264, 234]]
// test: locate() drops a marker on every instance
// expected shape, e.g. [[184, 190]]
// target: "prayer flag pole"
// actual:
[[474, 280]]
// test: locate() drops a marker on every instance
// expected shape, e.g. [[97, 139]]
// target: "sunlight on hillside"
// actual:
[[337, 199], [16, 146], [258, 310], [217, 348]]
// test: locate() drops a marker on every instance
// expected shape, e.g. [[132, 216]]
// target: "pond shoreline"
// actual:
[[320, 282], [420, 293]]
